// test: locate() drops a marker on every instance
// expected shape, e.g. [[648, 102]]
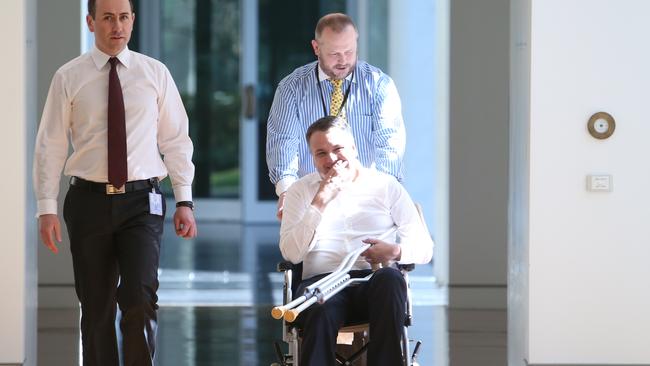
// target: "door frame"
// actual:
[[253, 210]]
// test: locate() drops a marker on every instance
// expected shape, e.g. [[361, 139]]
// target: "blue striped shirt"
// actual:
[[373, 110]]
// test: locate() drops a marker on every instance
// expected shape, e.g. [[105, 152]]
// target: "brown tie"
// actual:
[[117, 171]]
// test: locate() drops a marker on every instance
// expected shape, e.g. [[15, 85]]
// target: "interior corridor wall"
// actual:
[[18, 259], [579, 270], [59, 34], [478, 146], [421, 31]]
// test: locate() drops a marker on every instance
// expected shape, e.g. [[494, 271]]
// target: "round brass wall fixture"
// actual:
[[601, 125]]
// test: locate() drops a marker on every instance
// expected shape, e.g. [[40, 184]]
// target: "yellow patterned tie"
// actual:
[[337, 98]]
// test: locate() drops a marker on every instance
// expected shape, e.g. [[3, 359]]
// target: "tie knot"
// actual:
[[337, 83], [113, 61]]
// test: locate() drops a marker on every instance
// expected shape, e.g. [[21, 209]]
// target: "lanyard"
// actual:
[[322, 98]]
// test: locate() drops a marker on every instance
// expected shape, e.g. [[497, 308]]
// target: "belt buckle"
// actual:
[[110, 189]]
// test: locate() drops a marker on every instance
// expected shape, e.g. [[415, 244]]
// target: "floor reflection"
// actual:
[[217, 291], [215, 297]]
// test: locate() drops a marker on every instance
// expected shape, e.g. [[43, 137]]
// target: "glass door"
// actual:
[[279, 35], [201, 44], [227, 57]]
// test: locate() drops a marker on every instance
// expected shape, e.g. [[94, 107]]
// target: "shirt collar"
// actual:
[[100, 58], [323, 76]]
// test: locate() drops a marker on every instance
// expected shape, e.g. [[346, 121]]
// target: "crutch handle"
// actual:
[[291, 315], [278, 312]]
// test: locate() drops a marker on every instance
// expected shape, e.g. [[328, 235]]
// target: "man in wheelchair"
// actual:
[[338, 209]]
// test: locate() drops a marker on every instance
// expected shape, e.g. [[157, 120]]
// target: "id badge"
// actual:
[[155, 203]]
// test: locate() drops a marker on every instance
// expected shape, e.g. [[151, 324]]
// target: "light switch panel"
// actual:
[[599, 183]]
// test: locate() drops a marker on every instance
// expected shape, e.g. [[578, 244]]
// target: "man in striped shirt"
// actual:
[[336, 84]]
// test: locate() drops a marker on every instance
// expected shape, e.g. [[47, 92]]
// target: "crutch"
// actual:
[[319, 288], [326, 287]]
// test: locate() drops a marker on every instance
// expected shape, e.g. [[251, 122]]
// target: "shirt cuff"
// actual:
[[46, 206], [407, 255], [183, 193], [284, 184]]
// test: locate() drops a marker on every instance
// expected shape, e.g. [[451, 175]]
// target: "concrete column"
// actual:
[[478, 138], [18, 259], [417, 62], [59, 34]]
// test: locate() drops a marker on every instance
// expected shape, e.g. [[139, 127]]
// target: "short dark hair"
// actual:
[[92, 7], [328, 123], [336, 22]]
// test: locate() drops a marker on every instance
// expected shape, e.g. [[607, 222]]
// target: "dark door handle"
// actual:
[[249, 101]]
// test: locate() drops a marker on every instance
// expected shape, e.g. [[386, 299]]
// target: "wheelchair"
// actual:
[[292, 334]]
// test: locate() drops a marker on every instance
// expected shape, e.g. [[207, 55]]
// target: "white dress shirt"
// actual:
[[76, 111], [372, 206]]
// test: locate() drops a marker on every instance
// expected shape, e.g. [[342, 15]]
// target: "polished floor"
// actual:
[[215, 298]]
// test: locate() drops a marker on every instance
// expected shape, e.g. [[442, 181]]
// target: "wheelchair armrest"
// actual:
[[408, 267], [285, 266]]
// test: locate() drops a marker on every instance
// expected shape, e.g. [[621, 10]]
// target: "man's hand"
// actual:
[[280, 205], [339, 176], [381, 252], [184, 223], [47, 225]]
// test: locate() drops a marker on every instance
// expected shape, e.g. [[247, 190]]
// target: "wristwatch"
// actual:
[[189, 204]]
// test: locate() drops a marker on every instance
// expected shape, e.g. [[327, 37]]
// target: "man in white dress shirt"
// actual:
[[335, 210], [121, 111]]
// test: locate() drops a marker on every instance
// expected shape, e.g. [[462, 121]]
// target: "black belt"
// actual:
[[132, 186]]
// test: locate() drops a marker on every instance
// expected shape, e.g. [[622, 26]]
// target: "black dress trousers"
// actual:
[[381, 301], [115, 246]]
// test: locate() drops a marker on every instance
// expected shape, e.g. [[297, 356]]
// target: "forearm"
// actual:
[[282, 159], [389, 133], [417, 251], [174, 142], [297, 236], [299, 223], [389, 153], [51, 148], [416, 244], [181, 174], [46, 181], [282, 140]]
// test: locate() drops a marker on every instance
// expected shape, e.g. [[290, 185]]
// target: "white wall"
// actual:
[[587, 286], [17, 262], [478, 169]]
